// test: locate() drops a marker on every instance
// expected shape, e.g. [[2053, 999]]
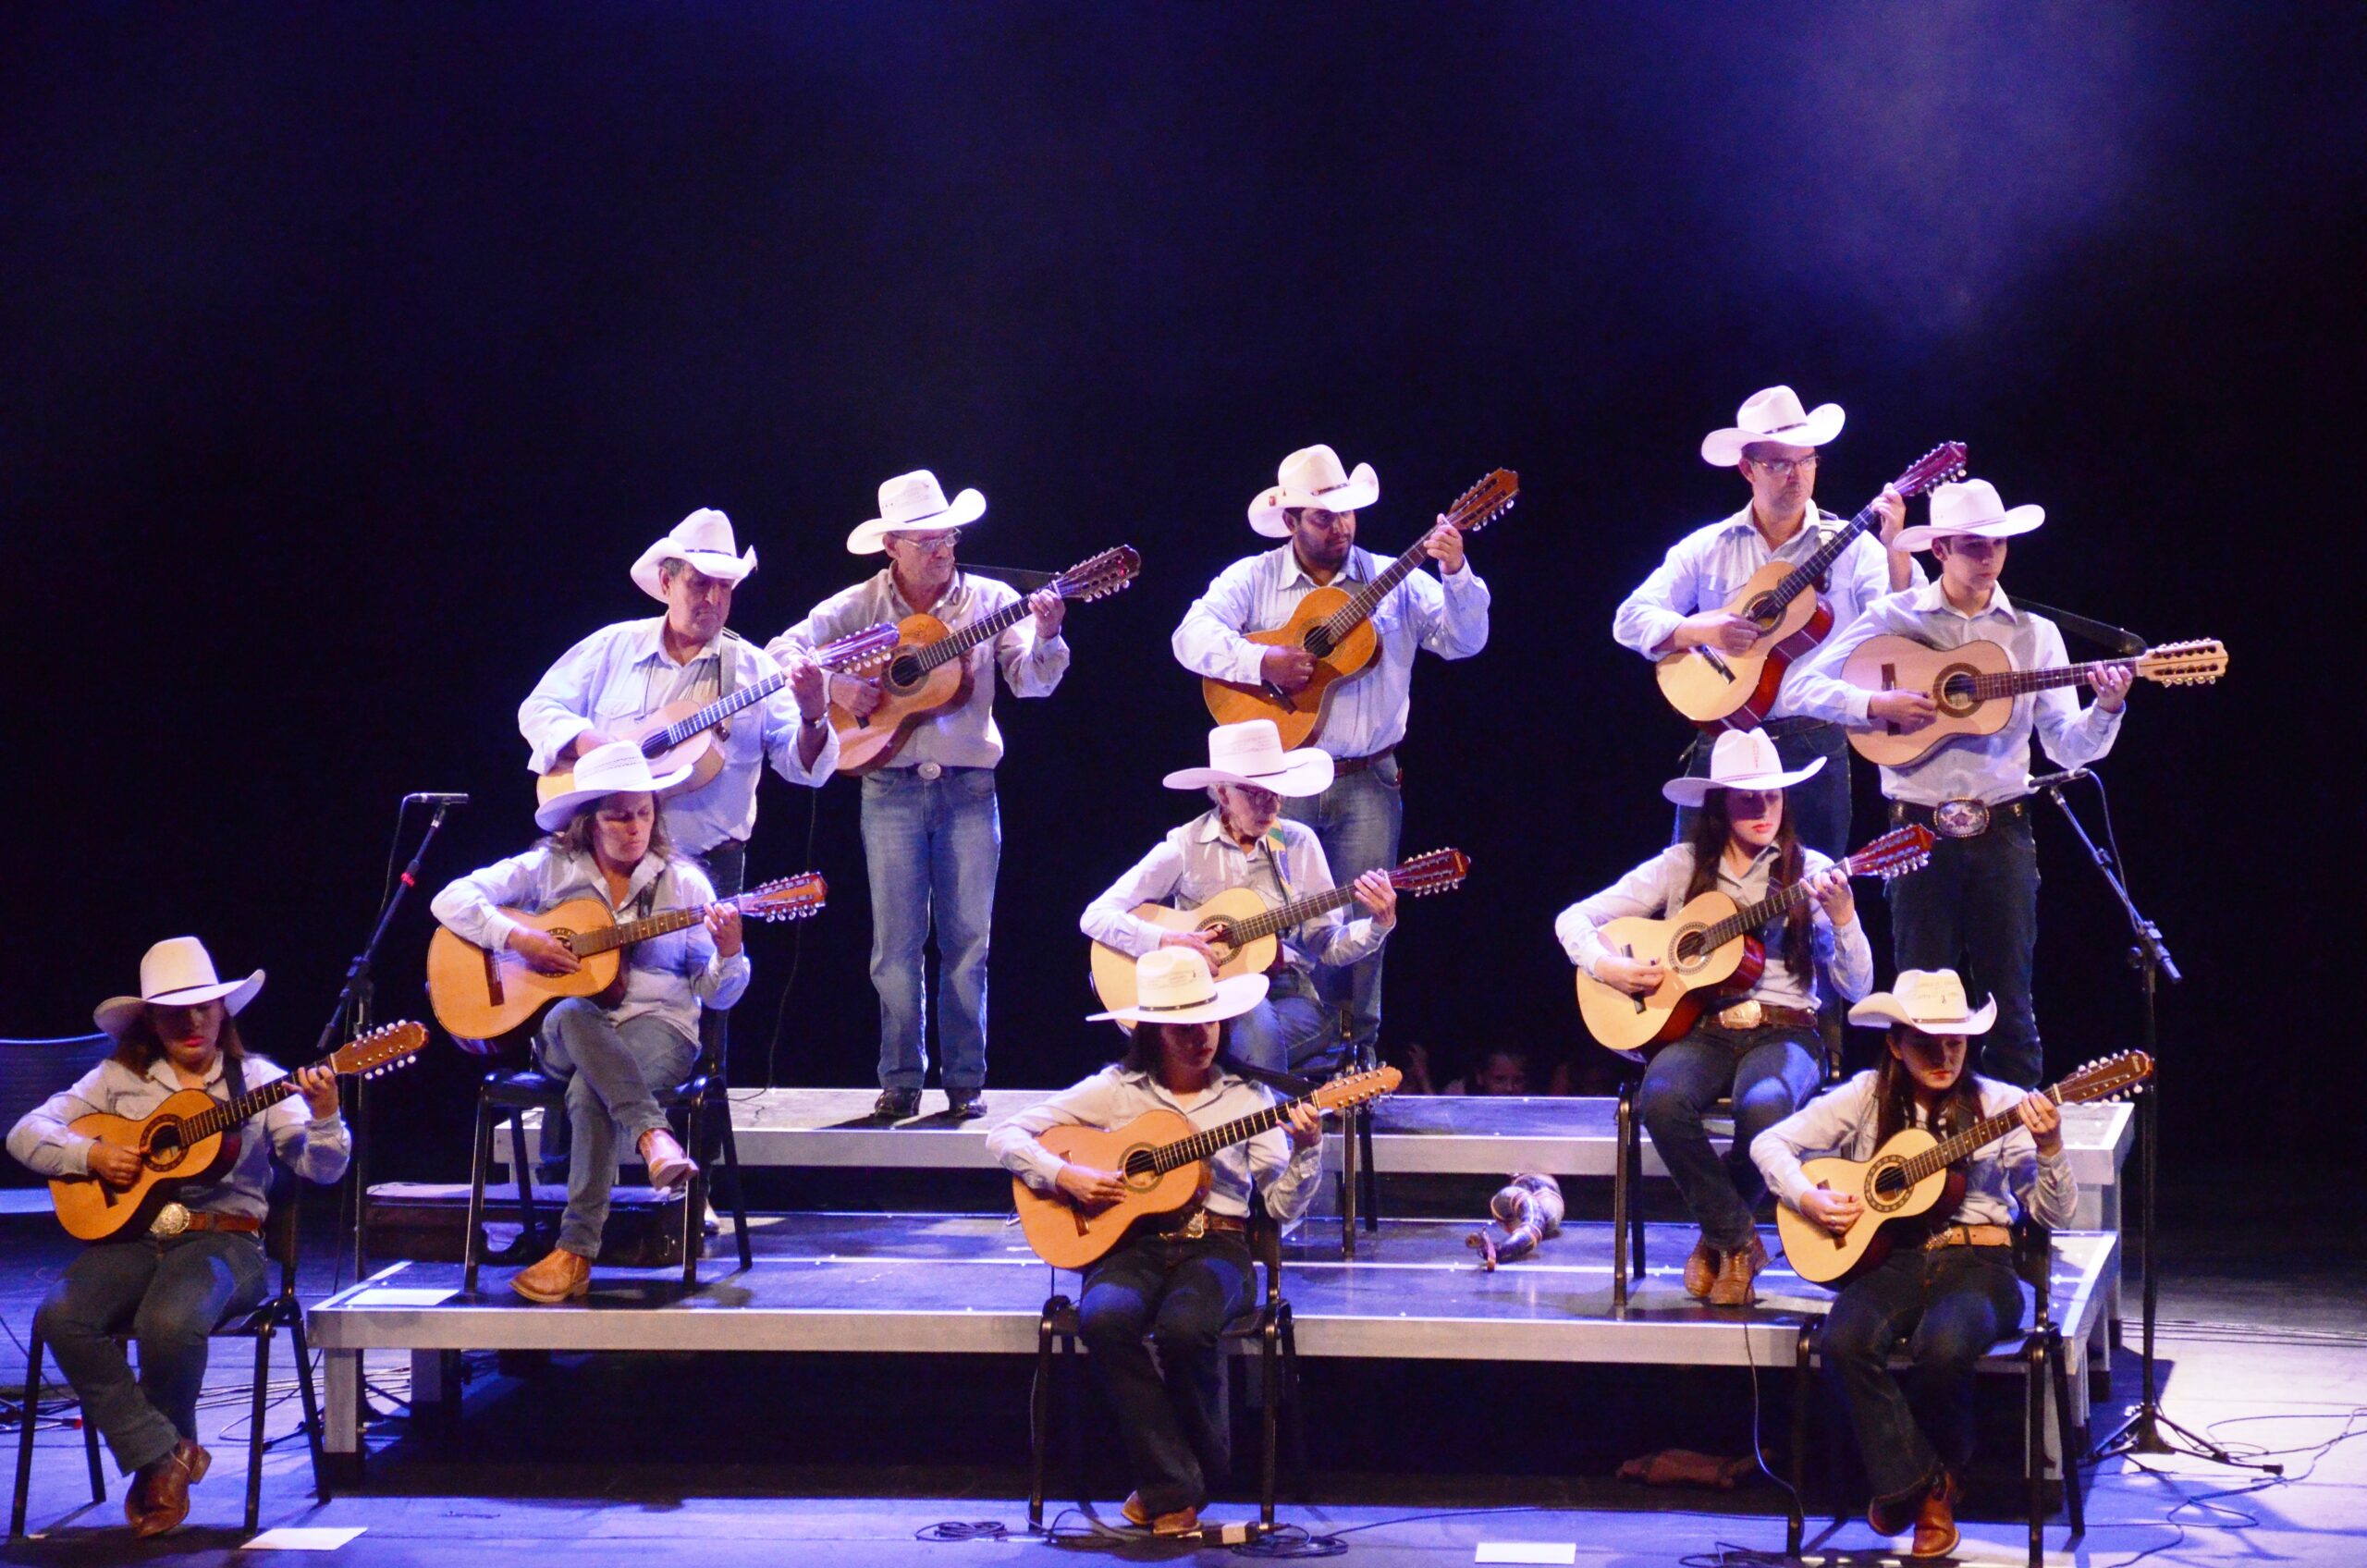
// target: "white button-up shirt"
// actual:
[[669, 977], [622, 672], [1706, 569], [1114, 1096], [1364, 714], [1990, 769], [963, 735], [1199, 860]]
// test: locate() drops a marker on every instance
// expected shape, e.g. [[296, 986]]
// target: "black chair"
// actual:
[[260, 1324], [1267, 1321]]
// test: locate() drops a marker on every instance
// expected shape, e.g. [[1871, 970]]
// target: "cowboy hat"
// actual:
[[1312, 476], [1929, 999], [1251, 752], [704, 540], [177, 972], [914, 503], [1972, 507], [1773, 415], [616, 768], [1743, 759], [1173, 986]]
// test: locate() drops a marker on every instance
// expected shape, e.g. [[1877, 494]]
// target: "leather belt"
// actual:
[[929, 772], [1756, 1014], [1957, 819], [1342, 766], [174, 1218], [1201, 1223], [1971, 1236]]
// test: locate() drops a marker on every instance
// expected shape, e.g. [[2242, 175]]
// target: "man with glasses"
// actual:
[[1682, 605], [932, 832]]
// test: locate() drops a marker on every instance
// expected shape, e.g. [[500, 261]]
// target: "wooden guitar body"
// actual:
[[1113, 972], [699, 753], [93, 1211], [1723, 691], [1634, 1024], [1893, 663], [1066, 1236], [1298, 715], [1817, 1255], [478, 993], [909, 693]]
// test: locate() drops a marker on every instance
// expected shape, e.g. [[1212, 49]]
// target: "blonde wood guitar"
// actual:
[[930, 670], [1164, 1163], [193, 1137], [1915, 1177], [1975, 685], [1336, 626], [479, 993]]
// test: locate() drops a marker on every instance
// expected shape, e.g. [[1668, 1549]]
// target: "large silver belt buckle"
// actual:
[[1960, 819], [930, 772], [171, 1220], [1194, 1227], [1745, 1014]]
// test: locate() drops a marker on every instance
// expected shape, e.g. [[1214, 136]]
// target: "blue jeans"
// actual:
[[1948, 1306], [1974, 909], [1819, 806], [609, 1072], [932, 846], [1358, 820], [1769, 1073], [170, 1293], [1285, 1033], [1171, 1416]]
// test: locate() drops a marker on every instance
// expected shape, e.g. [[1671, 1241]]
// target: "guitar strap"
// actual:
[[1286, 1083], [1025, 579], [234, 1078], [1278, 847], [2123, 643]]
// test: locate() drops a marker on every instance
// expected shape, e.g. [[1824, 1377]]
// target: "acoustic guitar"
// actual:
[[1975, 685], [1247, 934], [1721, 690], [683, 734], [1164, 1163], [479, 993], [193, 1137], [929, 670], [1706, 945], [1336, 626], [1915, 1180]]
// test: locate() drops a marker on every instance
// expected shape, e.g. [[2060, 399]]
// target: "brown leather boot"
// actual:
[[558, 1276], [1183, 1522], [159, 1495], [1701, 1267], [670, 1170], [1736, 1272], [1935, 1523]]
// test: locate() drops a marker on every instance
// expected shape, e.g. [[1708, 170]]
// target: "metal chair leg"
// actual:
[[1270, 1355], [473, 1242], [91, 1458], [1623, 1124], [1795, 1523], [25, 1441], [2073, 1439], [2034, 1357], [1039, 1415], [254, 1429], [1294, 1397], [1370, 1171], [525, 1169], [693, 1220], [738, 1189], [297, 1337]]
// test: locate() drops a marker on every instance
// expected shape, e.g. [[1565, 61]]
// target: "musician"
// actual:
[[932, 830], [607, 841], [203, 1259], [1313, 505], [1949, 1301], [1979, 900], [1763, 1049], [1183, 1285], [1242, 840], [1775, 445]]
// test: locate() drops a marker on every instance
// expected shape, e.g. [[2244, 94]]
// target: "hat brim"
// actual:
[[1305, 772], [1692, 792], [2018, 520], [871, 538], [1722, 448], [557, 811], [1882, 1009], [118, 1013], [1233, 998], [1266, 512], [733, 570]]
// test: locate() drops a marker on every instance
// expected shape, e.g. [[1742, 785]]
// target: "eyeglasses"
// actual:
[[1782, 467], [944, 539], [1750, 801]]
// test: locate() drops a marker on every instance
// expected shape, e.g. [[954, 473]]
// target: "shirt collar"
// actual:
[[1208, 828], [956, 593], [1814, 518], [1354, 569], [653, 644], [1932, 599]]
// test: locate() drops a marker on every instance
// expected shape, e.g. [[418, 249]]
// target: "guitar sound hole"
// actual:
[[905, 672], [1138, 1166], [1956, 690], [1764, 612], [1318, 641]]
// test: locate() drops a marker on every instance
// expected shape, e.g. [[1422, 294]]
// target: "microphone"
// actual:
[[433, 799], [2053, 781]]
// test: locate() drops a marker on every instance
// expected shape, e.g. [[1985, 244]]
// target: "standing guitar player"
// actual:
[[202, 1259], [1183, 1286]]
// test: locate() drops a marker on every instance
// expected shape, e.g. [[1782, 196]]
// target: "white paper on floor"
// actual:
[[400, 1295], [1525, 1551], [304, 1537]]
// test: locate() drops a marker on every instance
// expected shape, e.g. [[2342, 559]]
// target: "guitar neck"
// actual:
[[1978, 1136], [955, 644], [1283, 916], [714, 713], [1811, 571], [231, 1113], [2014, 682], [1367, 599], [625, 933], [1782, 902], [1202, 1146]]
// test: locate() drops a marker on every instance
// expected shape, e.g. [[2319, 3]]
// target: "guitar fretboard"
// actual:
[[2014, 682], [1283, 916], [828, 656], [1980, 1135], [1709, 938], [625, 933], [233, 1113], [957, 643]]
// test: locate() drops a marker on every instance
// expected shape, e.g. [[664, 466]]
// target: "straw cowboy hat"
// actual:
[[1173, 986], [616, 768], [1773, 415], [1972, 506], [1251, 752], [1743, 759], [1312, 476], [177, 972], [1929, 999], [704, 539], [914, 503]]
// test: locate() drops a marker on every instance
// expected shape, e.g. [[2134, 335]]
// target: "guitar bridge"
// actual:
[[1720, 666], [492, 975]]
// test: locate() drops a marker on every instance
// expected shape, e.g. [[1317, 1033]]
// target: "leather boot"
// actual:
[[159, 1497], [1183, 1522], [1701, 1267], [1734, 1275], [670, 1170], [558, 1276], [1935, 1523]]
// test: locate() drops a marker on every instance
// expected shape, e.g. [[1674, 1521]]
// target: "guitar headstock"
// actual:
[[1432, 873], [790, 898], [864, 650], [380, 1051], [1938, 465], [1356, 1088], [1895, 854], [1485, 501], [2105, 1078], [2184, 664], [1106, 573]]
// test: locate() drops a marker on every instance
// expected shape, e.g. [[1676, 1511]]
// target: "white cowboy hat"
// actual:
[[914, 503], [704, 539], [1929, 999], [1743, 759], [177, 972], [1972, 506], [1251, 752], [1173, 986], [1773, 415], [1312, 476], [616, 768]]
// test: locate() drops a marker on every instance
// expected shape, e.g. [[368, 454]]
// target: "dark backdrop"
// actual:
[[351, 353]]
